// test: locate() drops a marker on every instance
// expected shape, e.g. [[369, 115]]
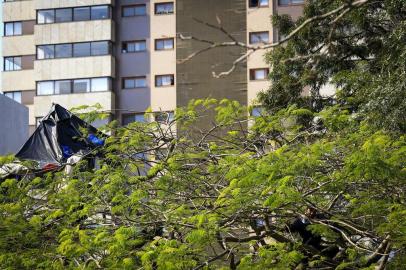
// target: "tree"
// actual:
[[312, 184]]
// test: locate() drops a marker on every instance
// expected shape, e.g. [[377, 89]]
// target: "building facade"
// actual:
[[13, 125], [127, 55]]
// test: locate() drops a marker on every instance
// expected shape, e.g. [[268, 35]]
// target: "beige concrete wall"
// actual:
[[258, 20], [43, 103], [71, 68], [295, 11], [74, 32], [18, 11], [162, 62], [18, 45], [18, 80], [43, 4]]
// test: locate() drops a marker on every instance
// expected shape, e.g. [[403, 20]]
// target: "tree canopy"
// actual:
[[311, 183]]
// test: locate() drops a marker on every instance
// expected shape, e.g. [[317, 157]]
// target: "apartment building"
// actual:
[[126, 55]]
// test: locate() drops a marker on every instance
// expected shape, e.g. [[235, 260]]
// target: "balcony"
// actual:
[[71, 32], [72, 68], [18, 11], [18, 45], [18, 80], [45, 4]]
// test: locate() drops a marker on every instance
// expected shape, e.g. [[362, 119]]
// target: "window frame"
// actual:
[[251, 34], [125, 43], [109, 7], [164, 3], [133, 6], [253, 73], [72, 91], [163, 40], [258, 5], [13, 24], [72, 45], [123, 86], [13, 61], [163, 75], [13, 95]]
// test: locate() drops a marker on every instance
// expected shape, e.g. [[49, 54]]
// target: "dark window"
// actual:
[[81, 86], [63, 50], [81, 49], [134, 82], [134, 46], [136, 10], [290, 2], [46, 16], [63, 15], [12, 63], [131, 118], [164, 8], [100, 12], [45, 52], [63, 87], [259, 37], [13, 29], [259, 74], [81, 14], [164, 44], [258, 3], [16, 96], [100, 48], [164, 80]]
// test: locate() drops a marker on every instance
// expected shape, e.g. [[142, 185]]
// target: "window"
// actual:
[[63, 15], [73, 14], [81, 86], [164, 8], [134, 82], [134, 46], [100, 12], [131, 118], [16, 96], [164, 80], [63, 87], [45, 88], [46, 16], [259, 74], [136, 10], [13, 28], [45, 52], [63, 50], [81, 14], [164, 44], [12, 63], [100, 84], [258, 3], [164, 117], [81, 49], [74, 86], [259, 37], [100, 48], [290, 2], [73, 50]]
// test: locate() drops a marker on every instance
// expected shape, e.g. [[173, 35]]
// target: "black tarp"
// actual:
[[59, 136]]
